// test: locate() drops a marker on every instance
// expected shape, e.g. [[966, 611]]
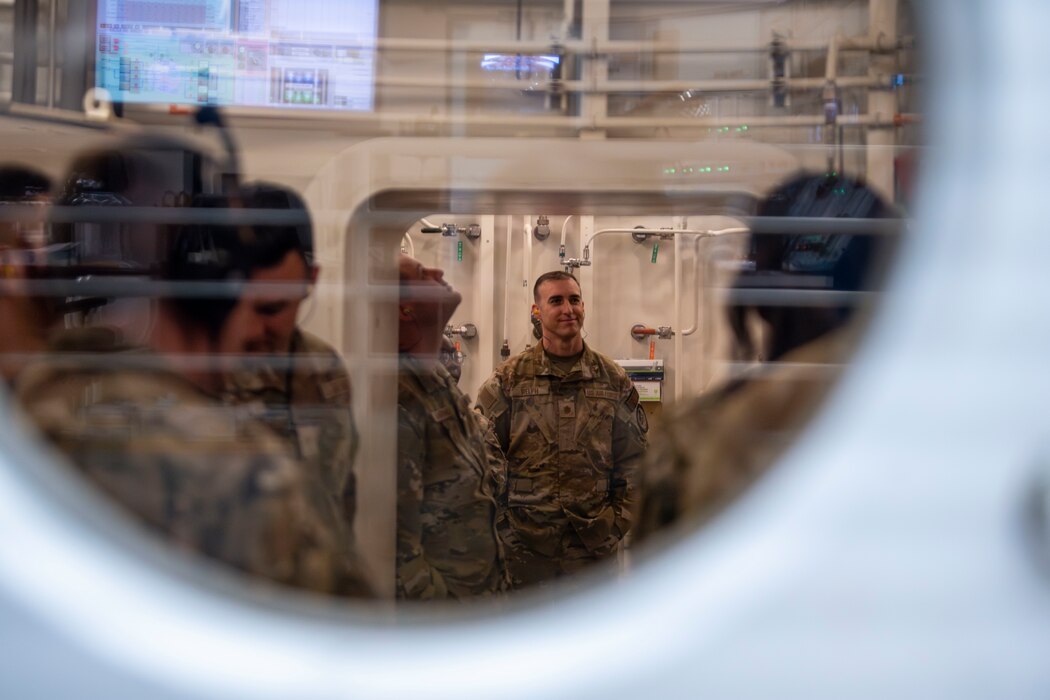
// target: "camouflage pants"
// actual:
[[527, 567]]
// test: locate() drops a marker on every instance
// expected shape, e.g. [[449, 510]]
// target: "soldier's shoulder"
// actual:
[[409, 385], [102, 344], [310, 344], [417, 389], [520, 365], [318, 363], [157, 417], [87, 339], [111, 382]]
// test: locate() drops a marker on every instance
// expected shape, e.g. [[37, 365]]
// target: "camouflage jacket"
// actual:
[[712, 447], [573, 444], [308, 403], [191, 470], [446, 509]]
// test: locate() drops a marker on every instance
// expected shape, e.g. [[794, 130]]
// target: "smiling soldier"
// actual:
[[570, 424]]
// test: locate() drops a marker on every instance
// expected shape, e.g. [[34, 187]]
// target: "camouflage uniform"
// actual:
[[190, 470], [447, 545], [714, 446], [308, 403], [573, 443]]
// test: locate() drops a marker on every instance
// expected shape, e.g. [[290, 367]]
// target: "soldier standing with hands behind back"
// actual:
[[569, 422]]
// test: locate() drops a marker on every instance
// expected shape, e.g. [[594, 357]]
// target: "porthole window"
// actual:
[[342, 340]]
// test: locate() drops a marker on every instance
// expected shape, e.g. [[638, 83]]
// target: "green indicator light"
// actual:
[[727, 168], [459, 251], [708, 170], [744, 127]]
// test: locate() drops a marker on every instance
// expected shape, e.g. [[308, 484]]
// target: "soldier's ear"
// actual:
[[405, 313], [535, 311]]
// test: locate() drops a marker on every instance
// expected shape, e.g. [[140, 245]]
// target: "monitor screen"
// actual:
[[312, 54]]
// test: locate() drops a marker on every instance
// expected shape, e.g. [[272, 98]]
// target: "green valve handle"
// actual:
[[656, 250], [459, 251]]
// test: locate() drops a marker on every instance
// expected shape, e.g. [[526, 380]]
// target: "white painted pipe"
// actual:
[[624, 86], [526, 268], [506, 277], [881, 151], [677, 313], [402, 124], [52, 16], [740, 85], [704, 233], [831, 67], [617, 46], [561, 246], [696, 282], [881, 120], [568, 14]]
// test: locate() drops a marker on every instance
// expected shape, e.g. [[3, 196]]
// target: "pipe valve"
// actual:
[[466, 331], [640, 332], [574, 263], [473, 231], [542, 229]]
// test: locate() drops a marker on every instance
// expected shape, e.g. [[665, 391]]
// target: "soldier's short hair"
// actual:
[[19, 183], [142, 170], [295, 233], [213, 253], [549, 276]]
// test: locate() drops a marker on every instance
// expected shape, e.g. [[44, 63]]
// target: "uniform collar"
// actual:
[[586, 366], [431, 377]]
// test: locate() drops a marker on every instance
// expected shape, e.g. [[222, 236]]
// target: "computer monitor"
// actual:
[[305, 54]]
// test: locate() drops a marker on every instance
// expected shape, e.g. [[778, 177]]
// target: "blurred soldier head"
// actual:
[[30, 191], [138, 171], [426, 305], [821, 260], [287, 246], [106, 205], [26, 316], [558, 302], [215, 306]]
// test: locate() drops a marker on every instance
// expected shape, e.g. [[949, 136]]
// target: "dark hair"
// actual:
[[843, 261], [547, 277], [278, 239], [224, 251], [139, 171], [216, 252], [19, 183]]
